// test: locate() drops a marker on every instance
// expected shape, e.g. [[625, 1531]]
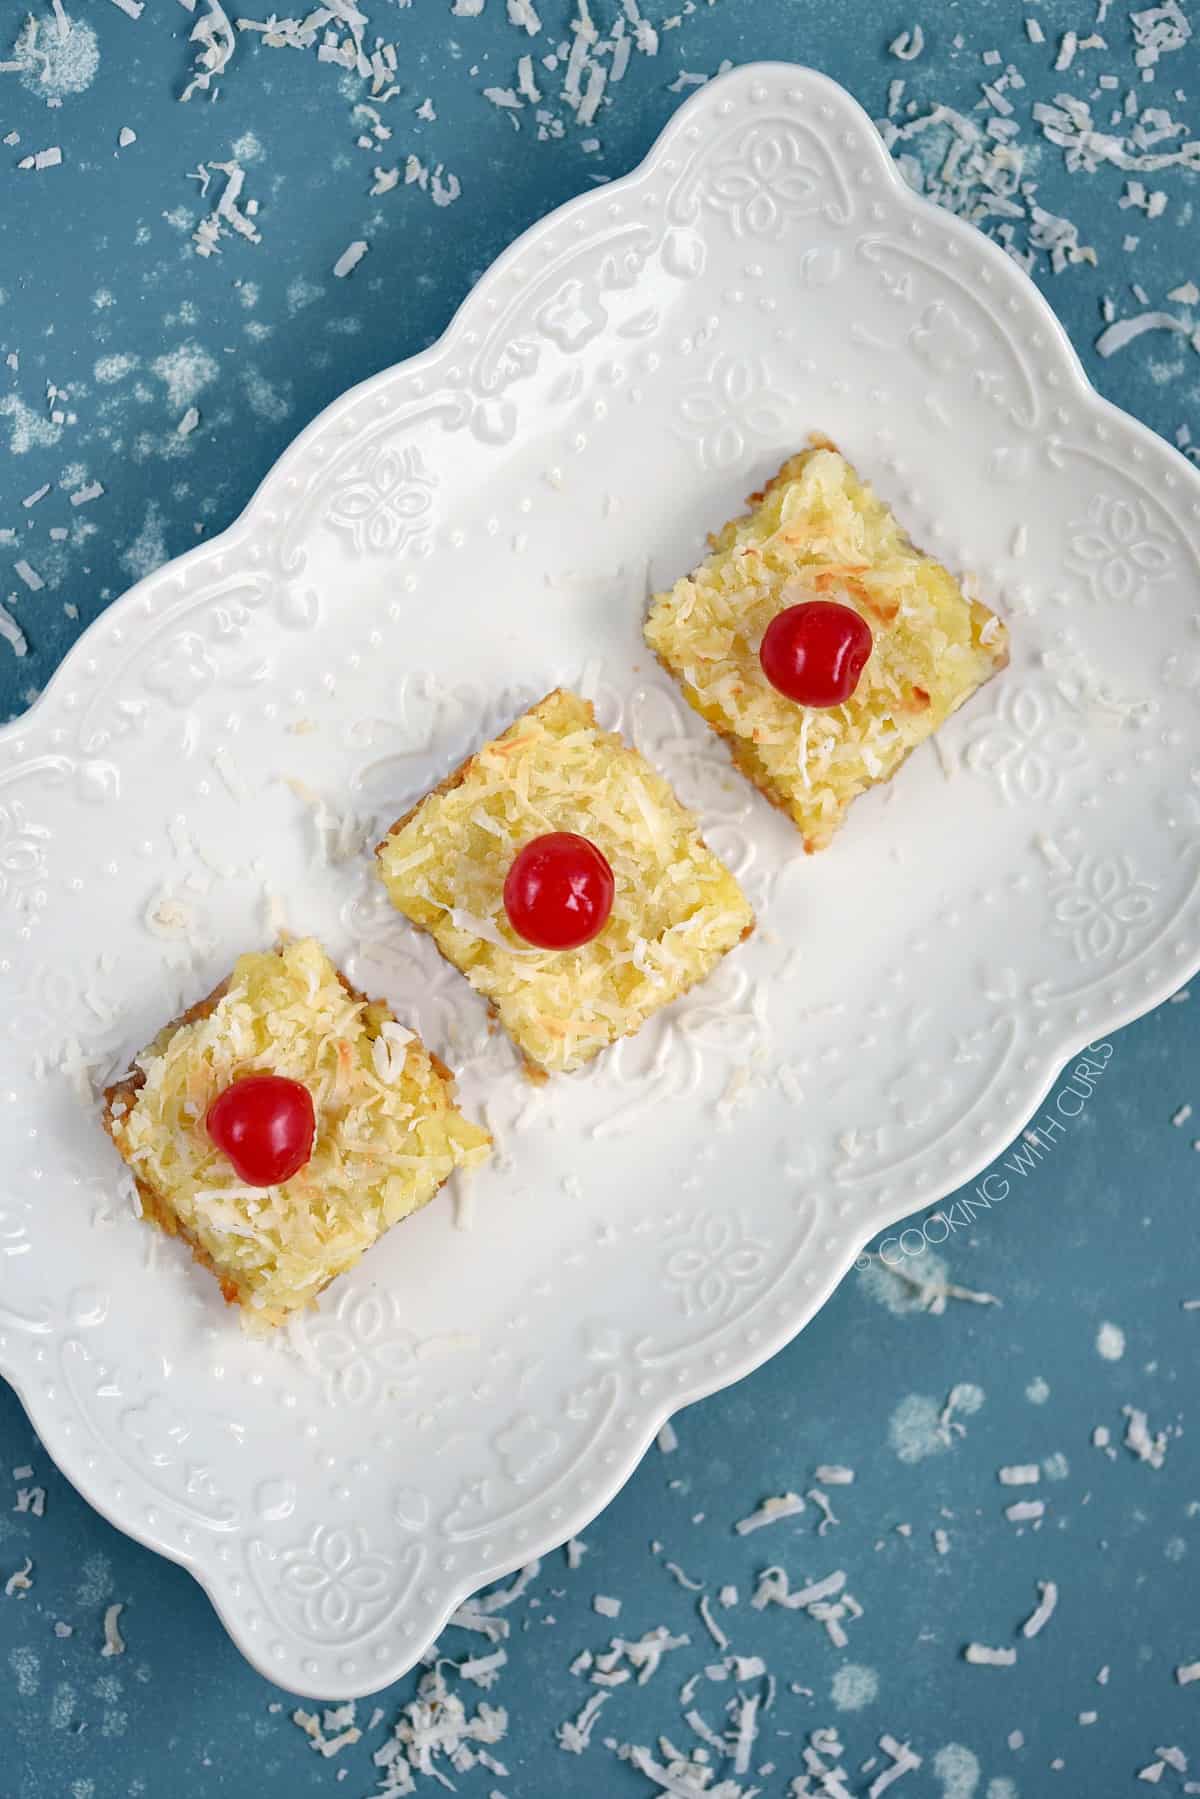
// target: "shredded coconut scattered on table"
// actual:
[[771, 1511], [980, 1656], [350, 258], [1044, 1609], [114, 1642], [19, 1583]]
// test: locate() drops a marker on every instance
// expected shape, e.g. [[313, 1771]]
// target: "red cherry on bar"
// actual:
[[814, 653], [265, 1124], [559, 891]]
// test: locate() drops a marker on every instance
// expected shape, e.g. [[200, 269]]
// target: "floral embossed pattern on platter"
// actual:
[[1119, 549], [384, 502], [448, 542]]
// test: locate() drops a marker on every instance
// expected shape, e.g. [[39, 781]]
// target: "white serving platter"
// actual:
[[443, 544]]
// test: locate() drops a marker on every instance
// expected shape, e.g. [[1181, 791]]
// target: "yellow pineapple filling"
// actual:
[[819, 532], [387, 1132], [676, 910]]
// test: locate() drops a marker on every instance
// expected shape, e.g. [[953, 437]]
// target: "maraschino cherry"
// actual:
[[815, 653], [559, 891], [265, 1124]]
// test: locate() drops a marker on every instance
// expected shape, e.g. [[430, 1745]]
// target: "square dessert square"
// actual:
[[387, 1134], [676, 909], [818, 532]]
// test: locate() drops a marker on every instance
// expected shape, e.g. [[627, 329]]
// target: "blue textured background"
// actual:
[[103, 297]]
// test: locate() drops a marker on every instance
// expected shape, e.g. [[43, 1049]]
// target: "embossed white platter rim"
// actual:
[[621, 376]]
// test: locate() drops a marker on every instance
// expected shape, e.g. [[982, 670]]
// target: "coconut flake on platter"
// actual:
[[171, 919], [341, 836]]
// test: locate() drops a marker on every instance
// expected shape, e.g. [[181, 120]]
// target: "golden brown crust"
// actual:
[[156, 1208], [729, 737], [454, 779], [132, 1082], [158, 1212]]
